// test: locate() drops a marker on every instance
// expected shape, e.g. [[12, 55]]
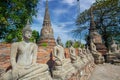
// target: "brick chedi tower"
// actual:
[[47, 34], [95, 36]]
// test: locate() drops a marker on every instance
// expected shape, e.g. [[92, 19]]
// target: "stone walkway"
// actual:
[[106, 72]]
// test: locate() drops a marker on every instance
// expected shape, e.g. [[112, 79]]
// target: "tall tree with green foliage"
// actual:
[[68, 43], [35, 36], [75, 44], [14, 15], [107, 20]]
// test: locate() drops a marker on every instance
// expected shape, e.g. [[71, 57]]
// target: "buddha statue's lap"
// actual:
[[65, 61], [59, 53]]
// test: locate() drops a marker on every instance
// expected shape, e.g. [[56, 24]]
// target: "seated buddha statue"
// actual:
[[59, 54], [85, 56], [62, 66], [97, 55], [76, 60], [73, 54], [114, 47], [90, 56], [23, 60]]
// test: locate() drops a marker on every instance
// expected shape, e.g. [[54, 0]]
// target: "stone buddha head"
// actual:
[[27, 32], [59, 41]]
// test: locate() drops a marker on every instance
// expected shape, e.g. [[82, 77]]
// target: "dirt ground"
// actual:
[[106, 72]]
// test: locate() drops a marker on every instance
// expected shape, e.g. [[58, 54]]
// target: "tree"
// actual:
[[106, 16], [68, 44], [14, 36], [76, 44], [14, 15], [35, 36]]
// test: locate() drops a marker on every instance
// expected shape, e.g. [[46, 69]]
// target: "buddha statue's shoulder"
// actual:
[[15, 44], [34, 44]]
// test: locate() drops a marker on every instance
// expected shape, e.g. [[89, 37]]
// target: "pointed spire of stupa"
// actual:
[[92, 23], [47, 33], [46, 21]]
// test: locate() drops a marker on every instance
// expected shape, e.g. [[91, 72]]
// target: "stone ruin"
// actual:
[[95, 36], [47, 33]]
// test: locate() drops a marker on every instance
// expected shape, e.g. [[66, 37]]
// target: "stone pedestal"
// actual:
[[39, 76], [110, 58], [101, 48], [98, 59], [63, 72]]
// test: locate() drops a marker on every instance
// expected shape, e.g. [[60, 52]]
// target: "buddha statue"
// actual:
[[90, 57], [62, 67], [97, 55], [80, 54], [85, 56], [72, 54], [59, 54], [114, 47], [23, 60], [75, 60]]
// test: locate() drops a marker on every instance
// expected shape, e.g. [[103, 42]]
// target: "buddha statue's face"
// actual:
[[27, 34]]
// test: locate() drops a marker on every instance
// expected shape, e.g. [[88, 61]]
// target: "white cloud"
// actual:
[[65, 24], [60, 31], [69, 2], [48, 0], [59, 11], [85, 4]]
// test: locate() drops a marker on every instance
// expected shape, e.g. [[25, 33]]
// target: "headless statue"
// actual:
[[76, 60], [73, 54], [89, 54], [85, 57], [23, 60], [80, 54]]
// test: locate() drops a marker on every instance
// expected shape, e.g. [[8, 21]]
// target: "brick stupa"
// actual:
[[96, 37], [47, 34]]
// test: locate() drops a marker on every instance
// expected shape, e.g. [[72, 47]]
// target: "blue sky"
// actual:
[[63, 15]]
